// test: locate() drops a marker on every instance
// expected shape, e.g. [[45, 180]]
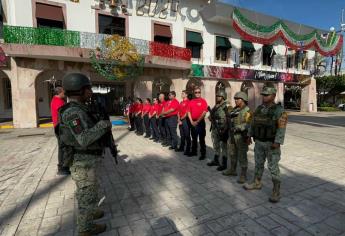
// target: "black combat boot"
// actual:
[[214, 162], [224, 164], [179, 149]]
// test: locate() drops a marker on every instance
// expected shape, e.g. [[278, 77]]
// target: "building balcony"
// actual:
[[58, 44]]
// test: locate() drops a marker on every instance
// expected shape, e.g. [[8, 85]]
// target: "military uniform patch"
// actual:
[[248, 117], [75, 125], [282, 122]]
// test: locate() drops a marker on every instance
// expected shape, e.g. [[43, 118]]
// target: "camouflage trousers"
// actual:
[[219, 146], [263, 151], [83, 172], [238, 151]]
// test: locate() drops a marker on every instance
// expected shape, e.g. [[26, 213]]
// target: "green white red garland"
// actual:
[[268, 34]]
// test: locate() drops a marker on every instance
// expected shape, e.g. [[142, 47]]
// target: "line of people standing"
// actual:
[[159, 121], [232, 131]]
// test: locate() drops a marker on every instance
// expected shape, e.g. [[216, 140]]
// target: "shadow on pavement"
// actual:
[[162, 195]]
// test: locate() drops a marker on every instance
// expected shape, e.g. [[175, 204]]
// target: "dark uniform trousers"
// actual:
[[131, 121], [139, 124], [199, 131], [154, 128], [185, 134], [61, 147], [147, 125], [161, 127], [172, 128]]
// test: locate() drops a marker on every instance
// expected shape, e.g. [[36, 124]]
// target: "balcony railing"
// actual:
[[68, 38]]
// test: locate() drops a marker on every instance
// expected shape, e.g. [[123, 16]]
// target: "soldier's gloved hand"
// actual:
[[275, 145]]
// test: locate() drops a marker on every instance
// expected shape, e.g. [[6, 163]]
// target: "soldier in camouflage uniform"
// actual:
[[238, 142], [268, 131], [219, 131], [80, 131]]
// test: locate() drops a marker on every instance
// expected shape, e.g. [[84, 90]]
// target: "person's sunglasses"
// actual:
[[197, 92]]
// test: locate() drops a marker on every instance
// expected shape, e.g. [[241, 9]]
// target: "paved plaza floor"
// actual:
[[155, 191]]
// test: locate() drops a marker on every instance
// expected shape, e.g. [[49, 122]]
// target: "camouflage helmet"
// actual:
[[266, 90], [241, 95], [75, 82], [221, 93]]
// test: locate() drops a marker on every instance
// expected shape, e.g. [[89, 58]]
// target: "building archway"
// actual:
[[249, 89], [44, 85], [223, 85], [191, 84], [162, 85], [6, 104]]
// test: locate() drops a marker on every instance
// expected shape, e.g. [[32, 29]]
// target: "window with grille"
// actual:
[[111, 25]]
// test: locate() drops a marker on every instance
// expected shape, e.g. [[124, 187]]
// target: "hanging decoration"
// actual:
[[268, 34], [170, 51], [118, 60]]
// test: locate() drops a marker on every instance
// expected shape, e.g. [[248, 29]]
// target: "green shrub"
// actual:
[[329, 109], [326, 104]]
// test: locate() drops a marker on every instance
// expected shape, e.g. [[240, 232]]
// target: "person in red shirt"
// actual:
[[131, 114], [161, 119], [145, 115], [184, 124], [154, 120], [57, 102], [170, 113], [197, 110], [138, 118]]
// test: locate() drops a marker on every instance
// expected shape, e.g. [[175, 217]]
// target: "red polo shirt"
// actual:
[[139, 108], [131, 108], [160, 108], [172, 104], [196, 107], [154, 108], [55, 104], [183, 108], [146, 108]]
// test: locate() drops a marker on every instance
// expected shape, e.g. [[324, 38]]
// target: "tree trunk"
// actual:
[[332, 65]]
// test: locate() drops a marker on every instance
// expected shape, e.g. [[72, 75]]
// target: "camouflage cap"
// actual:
[[268, 90], [241, 95]]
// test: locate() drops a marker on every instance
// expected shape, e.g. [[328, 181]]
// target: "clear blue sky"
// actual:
[[317, 13]]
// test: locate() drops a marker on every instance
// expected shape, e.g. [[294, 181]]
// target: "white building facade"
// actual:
[[183, 43]]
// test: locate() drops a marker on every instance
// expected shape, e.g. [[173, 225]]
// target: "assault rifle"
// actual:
[[214, 123], [97, 111], [230, 119]]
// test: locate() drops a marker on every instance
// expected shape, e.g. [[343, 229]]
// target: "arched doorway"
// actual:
[[191, 84], [45, 84], [224, 86], [6, 105], [248, 88], [292, 96], [161, 85]]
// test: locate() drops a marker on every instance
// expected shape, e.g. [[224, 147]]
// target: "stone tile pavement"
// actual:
[[154, 191]]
